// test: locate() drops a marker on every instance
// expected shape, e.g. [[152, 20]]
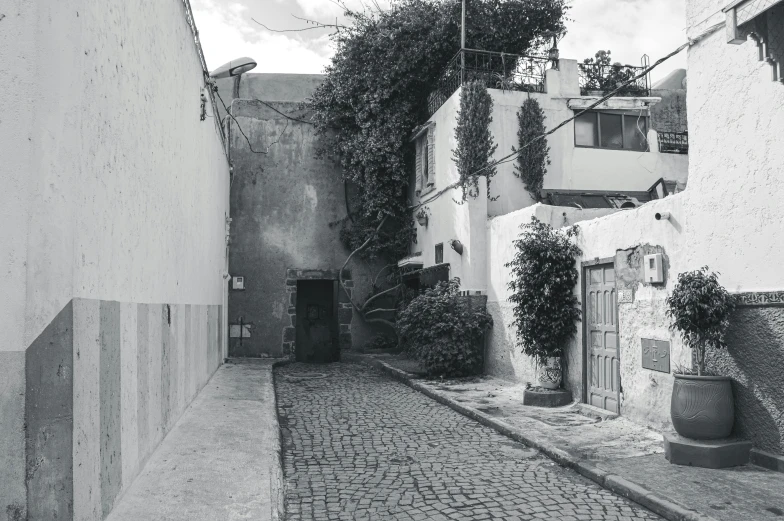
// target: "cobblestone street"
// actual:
[[359, 445]]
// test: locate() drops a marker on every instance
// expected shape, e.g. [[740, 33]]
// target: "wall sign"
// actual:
[[625, 296], [656, 355], [762, 298]]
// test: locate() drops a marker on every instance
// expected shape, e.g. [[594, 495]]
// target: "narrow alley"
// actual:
[[359, 445]]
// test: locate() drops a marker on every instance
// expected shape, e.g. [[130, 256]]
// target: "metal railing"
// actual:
[[496, 69], [600, 79], [673, 142]]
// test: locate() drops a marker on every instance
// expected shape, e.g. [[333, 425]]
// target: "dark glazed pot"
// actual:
[[702, 407]]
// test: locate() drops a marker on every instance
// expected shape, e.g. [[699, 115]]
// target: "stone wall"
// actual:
[[287, 206]]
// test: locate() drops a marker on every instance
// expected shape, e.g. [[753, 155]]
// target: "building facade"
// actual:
[[113, 247], [728, 218]]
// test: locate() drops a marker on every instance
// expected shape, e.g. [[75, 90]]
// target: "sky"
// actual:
[[629, 28]]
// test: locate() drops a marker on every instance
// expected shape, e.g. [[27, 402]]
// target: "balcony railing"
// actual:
[[497, 70], [673, 142], [599, 79]]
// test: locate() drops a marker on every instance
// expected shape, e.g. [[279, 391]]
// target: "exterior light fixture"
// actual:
[[233, 68], [457, 246], [553, 54]]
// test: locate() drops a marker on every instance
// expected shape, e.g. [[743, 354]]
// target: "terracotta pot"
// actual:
[[702, 407], [550, 374]]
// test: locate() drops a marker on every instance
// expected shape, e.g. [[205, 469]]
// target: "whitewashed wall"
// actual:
[[111, 188]]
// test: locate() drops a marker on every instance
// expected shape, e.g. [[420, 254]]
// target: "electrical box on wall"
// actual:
[[654, 271], [238, 283]]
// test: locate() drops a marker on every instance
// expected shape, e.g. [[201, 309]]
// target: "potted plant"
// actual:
[[702, 406], [546, 309], [421, 217]]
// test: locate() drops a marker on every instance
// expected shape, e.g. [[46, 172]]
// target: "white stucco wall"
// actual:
[[502, 355], [448, 220], [111, 186], [728, 218]]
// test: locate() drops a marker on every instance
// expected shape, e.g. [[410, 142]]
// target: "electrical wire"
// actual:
[[516, 153], [239, 127]]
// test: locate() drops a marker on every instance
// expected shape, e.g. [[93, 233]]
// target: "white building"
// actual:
[[607, 159], [729, 218]]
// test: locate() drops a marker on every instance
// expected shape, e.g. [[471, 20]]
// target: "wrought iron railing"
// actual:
[[600, 79], [673, 142], [496, 69]]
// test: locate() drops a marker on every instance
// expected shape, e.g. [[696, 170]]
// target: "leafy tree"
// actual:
[[532, 161], [444, 331], [475, 147], [601, 74], [700, 308], [385, 65], [543, 274]]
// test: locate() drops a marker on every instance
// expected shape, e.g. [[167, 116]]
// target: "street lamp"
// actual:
[[233, 68]]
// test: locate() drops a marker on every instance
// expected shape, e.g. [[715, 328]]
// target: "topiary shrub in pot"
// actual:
[[444, 331], [702, 406], [546, 309]]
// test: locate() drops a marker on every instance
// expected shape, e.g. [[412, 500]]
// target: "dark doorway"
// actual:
[[317, 321]]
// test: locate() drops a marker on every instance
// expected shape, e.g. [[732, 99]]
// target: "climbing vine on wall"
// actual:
[[475, 145], [375, 92], [533, 159]]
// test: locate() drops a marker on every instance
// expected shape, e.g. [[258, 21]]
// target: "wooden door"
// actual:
[[600, 319], [316, 329]]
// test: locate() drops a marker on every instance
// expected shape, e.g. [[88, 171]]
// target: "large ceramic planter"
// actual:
[[550, 374], [702, 407]]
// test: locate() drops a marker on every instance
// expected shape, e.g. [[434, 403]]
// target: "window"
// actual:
[[440, 253], [763, 21], [611, 130], [425, 160]]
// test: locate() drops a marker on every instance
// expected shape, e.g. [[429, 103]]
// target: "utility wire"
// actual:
[[239, 127], [516, 153]]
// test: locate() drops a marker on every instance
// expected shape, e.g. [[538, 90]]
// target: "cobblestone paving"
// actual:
[[359, 445]]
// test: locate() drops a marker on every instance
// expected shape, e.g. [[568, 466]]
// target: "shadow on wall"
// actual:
[[755, 361]]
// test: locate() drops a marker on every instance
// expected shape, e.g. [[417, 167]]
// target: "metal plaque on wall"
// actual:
[[656, 355]]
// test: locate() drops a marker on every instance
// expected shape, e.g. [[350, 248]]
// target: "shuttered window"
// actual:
[[425, 160]]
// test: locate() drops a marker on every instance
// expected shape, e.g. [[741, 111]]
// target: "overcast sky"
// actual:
[[629, 28]]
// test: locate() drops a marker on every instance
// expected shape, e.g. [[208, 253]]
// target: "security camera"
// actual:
[[662, 215]]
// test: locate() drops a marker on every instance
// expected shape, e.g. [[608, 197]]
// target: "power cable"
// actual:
[[516, 153]]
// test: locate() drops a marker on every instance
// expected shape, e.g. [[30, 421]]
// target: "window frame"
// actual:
[[439, 248], [598, 136]]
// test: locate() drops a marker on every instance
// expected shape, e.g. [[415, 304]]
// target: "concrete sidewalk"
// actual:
[[612, 451], [222, 458]]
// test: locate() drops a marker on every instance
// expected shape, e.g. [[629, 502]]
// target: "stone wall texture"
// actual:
[[287, 205]]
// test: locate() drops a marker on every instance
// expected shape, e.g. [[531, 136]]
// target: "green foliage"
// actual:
[[700, 308], [385, 65], [443, 331], [533, 159], [603, 75], [475, 145], [543, 280]]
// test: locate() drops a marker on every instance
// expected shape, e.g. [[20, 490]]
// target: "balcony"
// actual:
[[600, 79], [496, 69], [673, 142]]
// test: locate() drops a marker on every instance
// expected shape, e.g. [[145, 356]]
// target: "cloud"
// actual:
[[629, 28], [227, 32]]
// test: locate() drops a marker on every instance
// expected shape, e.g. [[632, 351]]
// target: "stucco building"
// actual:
[[609, 158], [728, 218]]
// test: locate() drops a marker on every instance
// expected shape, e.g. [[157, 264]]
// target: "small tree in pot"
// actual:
[[702, 406], [546, 309]]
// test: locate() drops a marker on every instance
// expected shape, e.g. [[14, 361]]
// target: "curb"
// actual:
[[277, 480], [669, 510]]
